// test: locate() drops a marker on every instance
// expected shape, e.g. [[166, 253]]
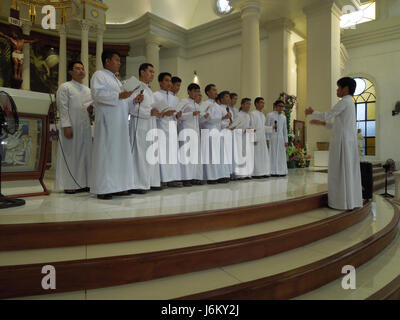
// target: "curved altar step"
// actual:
[[108, 271], [309, 277], [67, 234]]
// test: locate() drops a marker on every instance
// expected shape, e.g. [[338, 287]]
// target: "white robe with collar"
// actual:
[[73, 155], [344, 174], [262, 162], [170, 170], [112, 169], [146, 173], [190, 171], [211, 170], [278, 138]]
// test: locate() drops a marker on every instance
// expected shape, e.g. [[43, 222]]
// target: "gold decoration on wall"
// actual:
[[94, 13]]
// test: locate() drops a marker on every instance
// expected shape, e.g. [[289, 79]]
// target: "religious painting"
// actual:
[[44, 69], [5, 63], [21, 151], [299, 133]]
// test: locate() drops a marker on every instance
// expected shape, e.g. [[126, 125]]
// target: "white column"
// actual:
[[99, 46], [153, 57], [85, 26], [278, 59], [323, 63], [301, 62], [26, 67], [250, 81], [62, 65]]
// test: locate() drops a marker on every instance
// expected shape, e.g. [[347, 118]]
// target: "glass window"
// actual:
[[371, 128], [371, 112], [361, 112], [361, 125]]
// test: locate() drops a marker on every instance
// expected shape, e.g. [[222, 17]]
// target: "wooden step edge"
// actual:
[[23, 280], [382, 177], [304, 279], [69, 234]]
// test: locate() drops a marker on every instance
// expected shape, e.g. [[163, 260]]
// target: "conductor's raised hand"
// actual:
[[125, 95], [139, 98], [309, 111]]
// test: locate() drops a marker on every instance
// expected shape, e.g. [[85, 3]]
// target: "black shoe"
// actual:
[[187, 184], [156, 188], [196, 182], [122, 194], [258, 177], [266, 177], [223, 180], [104, 196], [212, 181], [138, 191]]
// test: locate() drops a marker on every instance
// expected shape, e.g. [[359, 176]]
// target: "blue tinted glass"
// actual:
[[371, 126], [361, 112], [361, 125]]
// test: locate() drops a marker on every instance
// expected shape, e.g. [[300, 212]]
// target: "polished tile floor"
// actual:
[[59, 207]]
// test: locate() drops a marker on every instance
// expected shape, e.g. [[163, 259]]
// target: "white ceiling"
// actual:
[[184, 13]]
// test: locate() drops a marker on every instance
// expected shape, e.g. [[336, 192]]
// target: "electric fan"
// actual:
[[8, 125], [389, 167]]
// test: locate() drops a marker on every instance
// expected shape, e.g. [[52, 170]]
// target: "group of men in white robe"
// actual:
[[128, 155]]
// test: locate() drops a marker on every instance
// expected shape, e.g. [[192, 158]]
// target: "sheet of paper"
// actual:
[[235, 123], [161, 106], [205, 107], [132, 84]]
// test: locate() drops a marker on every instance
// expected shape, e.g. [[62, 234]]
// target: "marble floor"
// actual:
[[59, 207]]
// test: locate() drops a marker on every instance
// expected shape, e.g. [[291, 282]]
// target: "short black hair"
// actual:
[[348, 82], [176, 80], [193, 86], [223, 94], [73, 63], [108, 54], [232, 94], [278, 102], [162, 75], [144, 66], [244, 100], [257, 100], [208, 88]]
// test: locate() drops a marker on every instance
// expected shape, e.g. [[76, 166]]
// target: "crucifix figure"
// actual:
[[17, 41]]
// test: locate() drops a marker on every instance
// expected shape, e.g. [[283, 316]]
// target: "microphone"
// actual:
[[276, 126], [230, 119]]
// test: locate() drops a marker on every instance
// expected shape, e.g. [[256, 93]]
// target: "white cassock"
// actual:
[[212, 170], [146, 166], [170, 170], [278, 138], [190, 170], [344, 174], [243, 147], [227, 145], [262, 162], [73, 155], [112, 158]]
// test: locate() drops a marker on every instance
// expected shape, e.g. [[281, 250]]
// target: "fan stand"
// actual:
[[7, 202], [386, 194]]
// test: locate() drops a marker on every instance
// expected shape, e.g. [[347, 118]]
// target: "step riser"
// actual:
[[307, 278], [19, 281], [68, 234]]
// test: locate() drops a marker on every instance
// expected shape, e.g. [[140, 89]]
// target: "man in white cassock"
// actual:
[[74, 103], [224, 99], [190, 159], [232, 109], [262, 162], [144, 141], [344, 173], [214, 170], [278, 139], [112, 172], [243, 143], [167, 122]]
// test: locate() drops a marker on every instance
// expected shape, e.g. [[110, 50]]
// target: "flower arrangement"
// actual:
[[297, 156], [290, 101]]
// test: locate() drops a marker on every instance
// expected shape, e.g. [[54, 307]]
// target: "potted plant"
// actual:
[[292, 156]]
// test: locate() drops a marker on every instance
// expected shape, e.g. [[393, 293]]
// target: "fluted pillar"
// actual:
[[250, 80], [323, 62], [99, 46], [62, 65], [153, 57], [85, 26], [26, 68], [301, 62]]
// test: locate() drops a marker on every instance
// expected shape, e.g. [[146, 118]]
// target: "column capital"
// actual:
[[85, 25], [62, 29], [151, 40], [323, 6], [100, 29], [26, 27], [248, 7]]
